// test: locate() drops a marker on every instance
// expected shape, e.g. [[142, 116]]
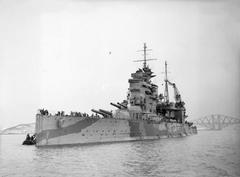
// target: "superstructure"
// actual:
[[144, 114]]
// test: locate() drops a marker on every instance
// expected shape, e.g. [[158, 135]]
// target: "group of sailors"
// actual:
[[43, 112], [72, 114], [60, 113], [78, 114], [30, 138]]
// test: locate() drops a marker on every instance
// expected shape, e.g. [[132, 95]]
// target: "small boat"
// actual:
[[30, 140]]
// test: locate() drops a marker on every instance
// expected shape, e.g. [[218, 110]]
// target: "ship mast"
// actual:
[[166, 85], [145, 56]]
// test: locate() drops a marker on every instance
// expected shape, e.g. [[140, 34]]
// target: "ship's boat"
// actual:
[[144, 115], [30, 140]]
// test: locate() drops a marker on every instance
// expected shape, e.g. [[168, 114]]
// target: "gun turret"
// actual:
[[101, 113], [122, 105], [117, 106], [105, 112]]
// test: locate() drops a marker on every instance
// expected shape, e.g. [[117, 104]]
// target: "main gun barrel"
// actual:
[[122, 105], [98, 112], [105, 112], [117, 106]]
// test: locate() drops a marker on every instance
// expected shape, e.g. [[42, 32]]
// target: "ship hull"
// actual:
[[66, 130]]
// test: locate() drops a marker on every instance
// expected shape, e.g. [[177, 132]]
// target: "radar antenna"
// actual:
[[145, 56]]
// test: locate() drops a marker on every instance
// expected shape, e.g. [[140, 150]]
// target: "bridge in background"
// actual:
[[216, 121]]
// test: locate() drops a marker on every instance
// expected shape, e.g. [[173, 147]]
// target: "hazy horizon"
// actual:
[[55, 54]]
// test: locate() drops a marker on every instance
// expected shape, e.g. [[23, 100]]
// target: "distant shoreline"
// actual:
[[14, 133]]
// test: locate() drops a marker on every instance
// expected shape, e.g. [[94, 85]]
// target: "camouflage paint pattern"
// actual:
[[57, 130]]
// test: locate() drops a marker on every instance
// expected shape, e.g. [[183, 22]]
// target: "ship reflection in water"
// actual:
[[209, 153]]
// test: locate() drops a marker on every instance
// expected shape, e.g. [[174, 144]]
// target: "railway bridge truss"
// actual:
[[216, 121]]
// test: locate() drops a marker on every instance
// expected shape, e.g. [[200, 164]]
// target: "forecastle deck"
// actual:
[[64, 130]]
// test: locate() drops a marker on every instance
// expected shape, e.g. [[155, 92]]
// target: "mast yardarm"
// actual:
[[145, 59]]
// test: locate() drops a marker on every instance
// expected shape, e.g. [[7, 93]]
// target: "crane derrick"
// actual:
[[177, 95]]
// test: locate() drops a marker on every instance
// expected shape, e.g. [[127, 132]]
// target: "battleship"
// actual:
[[143, 115]]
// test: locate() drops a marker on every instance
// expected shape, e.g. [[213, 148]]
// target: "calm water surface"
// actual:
[[210, 153]]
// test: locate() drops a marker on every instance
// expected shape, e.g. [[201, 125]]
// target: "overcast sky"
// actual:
[[55, 54]]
